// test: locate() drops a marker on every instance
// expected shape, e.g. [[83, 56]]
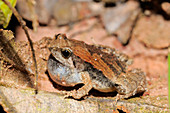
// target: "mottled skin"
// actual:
[[73, 62]]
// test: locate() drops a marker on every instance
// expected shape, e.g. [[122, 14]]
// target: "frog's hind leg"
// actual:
[[77, 94], [129, 84]]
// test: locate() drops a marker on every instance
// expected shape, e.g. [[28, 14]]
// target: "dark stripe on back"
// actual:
[[110, 59]]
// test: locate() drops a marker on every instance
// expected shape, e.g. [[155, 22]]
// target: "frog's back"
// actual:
[[110, 61], [116, 61]]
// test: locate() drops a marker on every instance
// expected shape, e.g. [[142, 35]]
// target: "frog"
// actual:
[[98, 67]]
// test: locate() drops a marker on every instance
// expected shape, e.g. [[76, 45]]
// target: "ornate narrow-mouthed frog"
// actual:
[[103, 68]]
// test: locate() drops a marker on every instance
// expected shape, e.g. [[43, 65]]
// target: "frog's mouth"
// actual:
[[55, 61]]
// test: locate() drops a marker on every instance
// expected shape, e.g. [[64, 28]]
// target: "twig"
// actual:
[[23, 25]]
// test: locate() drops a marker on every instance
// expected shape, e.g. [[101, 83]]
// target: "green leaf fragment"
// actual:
[[5, 12]]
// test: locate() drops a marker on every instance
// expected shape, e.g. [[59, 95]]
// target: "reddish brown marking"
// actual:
[[82, 53], [95, 60], [99, 64]]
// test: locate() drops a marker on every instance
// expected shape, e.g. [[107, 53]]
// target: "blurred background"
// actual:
[[139, 28]]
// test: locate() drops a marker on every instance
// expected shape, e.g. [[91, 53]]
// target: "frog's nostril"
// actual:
[[116, 85], [60, 36]]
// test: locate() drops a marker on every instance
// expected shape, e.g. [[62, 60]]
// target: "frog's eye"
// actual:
[[66, 52]]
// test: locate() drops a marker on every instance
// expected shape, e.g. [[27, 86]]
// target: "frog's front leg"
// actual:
[[77, 94], [130, 83]]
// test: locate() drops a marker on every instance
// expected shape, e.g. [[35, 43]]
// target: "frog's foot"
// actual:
[[119, 96], [73, 94], [84, 89], [118, 108], [76, 94]]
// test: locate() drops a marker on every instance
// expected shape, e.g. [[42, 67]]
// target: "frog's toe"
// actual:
[[73, 94]]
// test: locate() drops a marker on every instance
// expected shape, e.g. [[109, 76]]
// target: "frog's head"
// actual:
[[60, 49], [61, 65]]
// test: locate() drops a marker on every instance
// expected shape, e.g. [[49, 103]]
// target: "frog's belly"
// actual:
[[99, 81]]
